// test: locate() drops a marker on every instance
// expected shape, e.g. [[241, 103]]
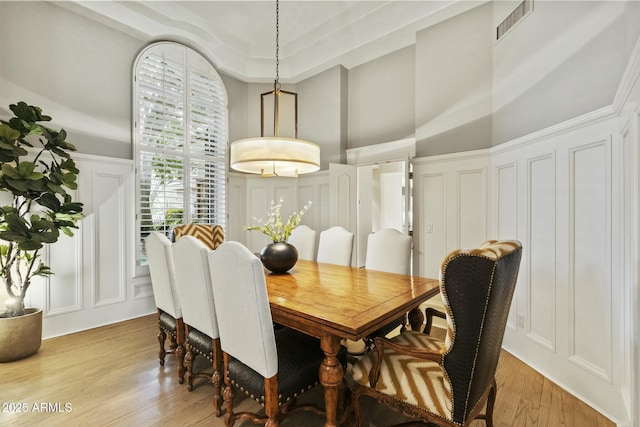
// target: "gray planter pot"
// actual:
[[20, 337]]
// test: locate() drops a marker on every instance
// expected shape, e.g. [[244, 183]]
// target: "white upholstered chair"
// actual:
[[389, 250], [304, 239], [283, 363], [335, 246], [202, 337], [165, 294]]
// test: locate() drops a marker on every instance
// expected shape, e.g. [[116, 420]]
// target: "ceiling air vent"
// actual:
[[522, 10]]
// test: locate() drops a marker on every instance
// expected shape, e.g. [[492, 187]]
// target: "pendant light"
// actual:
[[275, 156]]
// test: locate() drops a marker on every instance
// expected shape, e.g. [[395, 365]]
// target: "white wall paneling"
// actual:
[[450, 202], [560, 192], [236, 208], [296, 192], [541, 237], [314, 188], [505, 183], [590, 251], [108, 206], [93, 282], [63, 290], [343, 182]]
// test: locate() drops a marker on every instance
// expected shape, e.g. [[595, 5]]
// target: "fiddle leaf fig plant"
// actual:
[[40, 207]]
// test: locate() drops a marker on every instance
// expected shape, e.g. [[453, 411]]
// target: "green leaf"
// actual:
[[50, 201], [10, 171], [29, 245], [18, 185], [7, 133]]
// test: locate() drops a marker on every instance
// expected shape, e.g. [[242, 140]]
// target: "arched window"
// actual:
[[180, 139]]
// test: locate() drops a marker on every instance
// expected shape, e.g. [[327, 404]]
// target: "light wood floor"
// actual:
[[110, 376]]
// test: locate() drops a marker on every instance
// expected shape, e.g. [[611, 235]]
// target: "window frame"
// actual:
[[195, 68]]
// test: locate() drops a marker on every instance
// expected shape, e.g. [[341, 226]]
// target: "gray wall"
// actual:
[[563, 60], [382, 98], [77, 70], [456, 89], [238, 97], [323, 114], [454, 84]]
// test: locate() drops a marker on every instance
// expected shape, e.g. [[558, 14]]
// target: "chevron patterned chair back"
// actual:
[[450, 382], [209, 234]]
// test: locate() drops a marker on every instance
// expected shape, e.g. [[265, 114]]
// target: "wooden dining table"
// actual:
[[332, 302]]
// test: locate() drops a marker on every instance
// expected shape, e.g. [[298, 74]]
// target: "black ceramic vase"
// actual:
[[279, 257]]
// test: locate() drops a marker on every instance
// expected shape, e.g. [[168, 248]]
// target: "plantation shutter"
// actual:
[[180, 138]]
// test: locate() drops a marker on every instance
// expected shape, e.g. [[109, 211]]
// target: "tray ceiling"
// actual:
[[239, 36]]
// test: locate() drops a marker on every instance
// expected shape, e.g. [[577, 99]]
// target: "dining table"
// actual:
[[333, 302]]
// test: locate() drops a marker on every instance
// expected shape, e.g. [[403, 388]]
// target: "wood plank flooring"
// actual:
[[110, 376]]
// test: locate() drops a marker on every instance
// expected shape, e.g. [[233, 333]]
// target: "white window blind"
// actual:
[[180, 139]]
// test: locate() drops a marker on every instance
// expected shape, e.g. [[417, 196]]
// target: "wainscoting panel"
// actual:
[[450, 200], [343, 182], [541, 250], [472, 207], [324, 191], [315, 188], [564, 190], [258, 198], [93, 281], [236, 208], [63, 290], [432, 222], [506, 202], [109, 206], [590, 284]]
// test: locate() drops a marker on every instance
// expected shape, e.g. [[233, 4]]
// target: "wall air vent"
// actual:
[[522, 10]]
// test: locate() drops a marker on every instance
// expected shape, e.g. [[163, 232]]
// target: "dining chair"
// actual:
[[202, 337], [389, 250], [335, 246], [450, 382], [304, 239], [282, 363], [165, 294], [211, 235]]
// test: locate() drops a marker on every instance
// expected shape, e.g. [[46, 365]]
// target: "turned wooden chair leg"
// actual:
[[491, 399], [162, 336], [172, 342], [188, 362], [181, 330], [216, 379], [229, 394], [180, 355]]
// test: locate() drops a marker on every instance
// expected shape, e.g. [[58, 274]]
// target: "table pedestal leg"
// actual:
[[331, 375], [416, 318]]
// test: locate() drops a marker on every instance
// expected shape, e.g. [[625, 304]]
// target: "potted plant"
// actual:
[[40, 207], [279, 256]]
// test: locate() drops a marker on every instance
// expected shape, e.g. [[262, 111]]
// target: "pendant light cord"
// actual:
[[276, 85]]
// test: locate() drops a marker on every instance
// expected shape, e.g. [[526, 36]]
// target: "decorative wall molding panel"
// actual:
[[93, 284], [562, 196]]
